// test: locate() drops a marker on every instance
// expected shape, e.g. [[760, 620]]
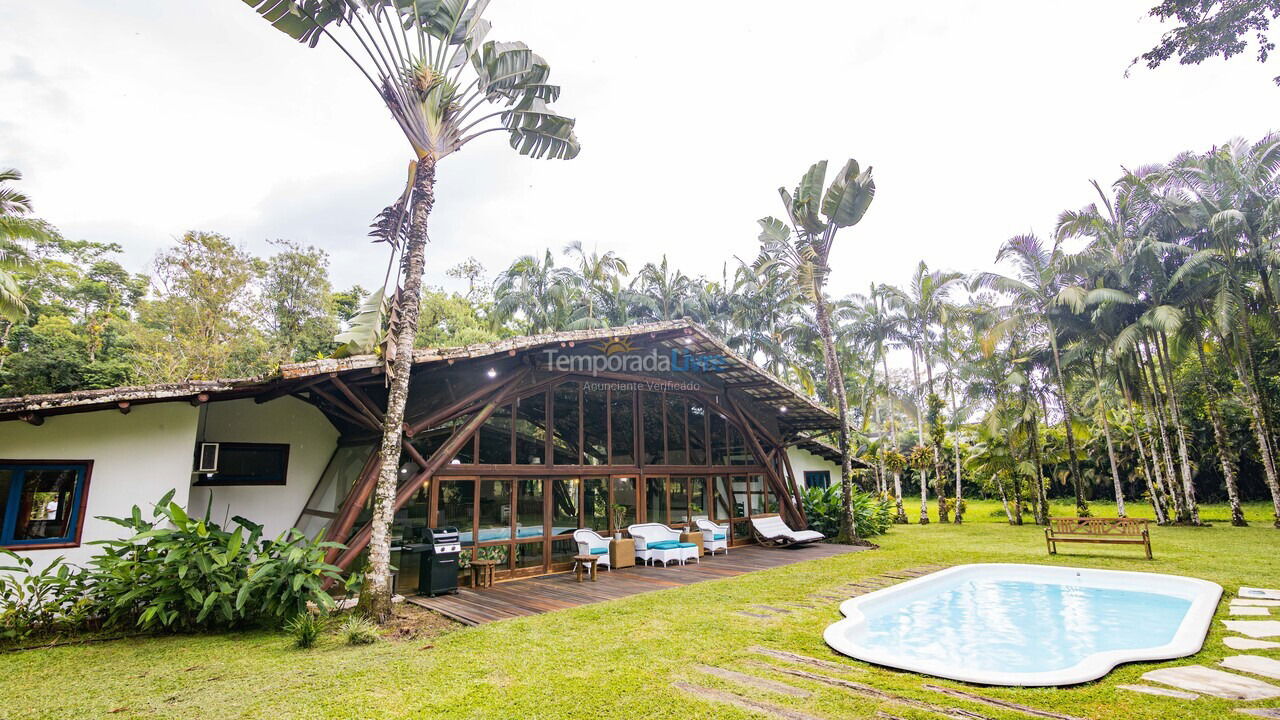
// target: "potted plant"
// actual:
[[619, 517]]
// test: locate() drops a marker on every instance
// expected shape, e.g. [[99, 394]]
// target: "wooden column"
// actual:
[[786, 503]]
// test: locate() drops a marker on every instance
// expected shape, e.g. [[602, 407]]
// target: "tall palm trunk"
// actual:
[[939, 463], [1106, 431], [1175, 405], [1226, 455], [1073, 460], [835, 382], [924, 473], [1041, 507], [376, 594], [955, 452], [1150, 471], [1258, 420], [900, 516], [1160, 443]]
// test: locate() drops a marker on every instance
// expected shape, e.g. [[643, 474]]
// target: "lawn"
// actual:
[[619, 659]]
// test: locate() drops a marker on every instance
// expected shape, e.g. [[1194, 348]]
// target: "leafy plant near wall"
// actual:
[[55, 599], [872, 514]]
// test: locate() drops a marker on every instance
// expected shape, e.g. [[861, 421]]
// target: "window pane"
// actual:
[[595, 443], [495, 510], [697, 433], [817, 478], [495, 438], [46, 504], [429, 441], [457, 503], [757, 494], [719, 440], [770, 501], [698, 507], [248, 464], [529, 508], [741, 530], [723, 490], [655, 500], [738, 454], [624, 439], [529, 555], [342, 472], [739, 496], [565, 441], [679, 501], [624, 494], [531, 430], [653, 437], [562, 551], [595, 499], [676, 454], [6, 480], [564, 506]]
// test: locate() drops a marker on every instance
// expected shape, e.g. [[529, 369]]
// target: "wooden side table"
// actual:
[[482, 573], [697, 539], [587, 564], [622, 553]]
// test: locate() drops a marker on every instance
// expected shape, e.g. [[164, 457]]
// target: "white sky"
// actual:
[[135, 121]]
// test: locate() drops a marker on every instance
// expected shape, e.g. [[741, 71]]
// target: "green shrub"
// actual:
[[871, 514], [51, 600], [306, 628], [358, 630]]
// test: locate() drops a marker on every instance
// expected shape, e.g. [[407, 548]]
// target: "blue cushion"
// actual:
[[599, 551], [663, 545], [717, 536]]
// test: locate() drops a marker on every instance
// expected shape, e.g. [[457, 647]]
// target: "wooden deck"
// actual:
[[533, 596]]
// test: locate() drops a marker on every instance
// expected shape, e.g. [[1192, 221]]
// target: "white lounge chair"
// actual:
[[591, 542], [714, 537], [657, 542], [772, 531]]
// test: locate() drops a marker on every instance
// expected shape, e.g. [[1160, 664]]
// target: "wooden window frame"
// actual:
[[72, 540]]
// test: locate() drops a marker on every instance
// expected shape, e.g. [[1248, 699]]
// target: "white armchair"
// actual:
[[591, 542], [714, 537], [655, 541]]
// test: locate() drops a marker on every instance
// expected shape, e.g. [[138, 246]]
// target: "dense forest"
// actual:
[[1132, 355]]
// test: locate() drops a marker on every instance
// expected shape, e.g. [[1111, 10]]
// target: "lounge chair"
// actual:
[[657, 542], [591, 542], [714, 537], [771, 531]]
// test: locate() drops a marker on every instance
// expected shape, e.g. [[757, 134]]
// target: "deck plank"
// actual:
[[548, 593]]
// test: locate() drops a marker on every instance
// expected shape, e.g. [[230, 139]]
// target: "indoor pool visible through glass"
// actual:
[[1014, 626]]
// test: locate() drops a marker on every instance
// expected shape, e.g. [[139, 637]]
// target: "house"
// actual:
[[516, 443]]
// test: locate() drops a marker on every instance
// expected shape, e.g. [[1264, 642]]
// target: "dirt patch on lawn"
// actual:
[[417, 623]]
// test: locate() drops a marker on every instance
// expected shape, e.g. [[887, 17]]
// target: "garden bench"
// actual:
[[1108, 531]]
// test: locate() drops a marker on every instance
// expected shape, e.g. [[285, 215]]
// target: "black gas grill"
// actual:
[[439, 571]]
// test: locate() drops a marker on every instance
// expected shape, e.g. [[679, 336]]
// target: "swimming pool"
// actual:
[[1029, 625]]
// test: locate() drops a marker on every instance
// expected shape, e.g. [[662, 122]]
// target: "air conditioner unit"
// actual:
[[208, 460]]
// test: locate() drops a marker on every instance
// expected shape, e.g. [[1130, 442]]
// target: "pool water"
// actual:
[[1014, 626]]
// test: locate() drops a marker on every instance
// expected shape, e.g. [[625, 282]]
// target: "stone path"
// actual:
[[1254, 628], [1207, 681], [1259, 593], [1254, 665], [1239, 643], [1249, 610]]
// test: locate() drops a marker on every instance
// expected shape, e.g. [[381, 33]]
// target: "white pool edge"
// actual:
[[1188, 640]]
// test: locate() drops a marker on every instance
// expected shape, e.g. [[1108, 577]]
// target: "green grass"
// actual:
[[618, 659]]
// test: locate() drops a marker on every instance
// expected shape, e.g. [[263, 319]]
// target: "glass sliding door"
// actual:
[[678, 501], [595, 504]]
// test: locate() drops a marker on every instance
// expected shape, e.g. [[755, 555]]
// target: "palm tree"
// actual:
[[594, 280], [803, 248], [417, 56], [672, 291], [15, 226], [535, 293]]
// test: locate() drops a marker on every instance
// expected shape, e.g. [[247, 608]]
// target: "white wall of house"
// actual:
[[802, 460], [137, 458], [311, 440]]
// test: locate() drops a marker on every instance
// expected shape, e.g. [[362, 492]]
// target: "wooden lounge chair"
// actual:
[[771, 531], [1107, 531]]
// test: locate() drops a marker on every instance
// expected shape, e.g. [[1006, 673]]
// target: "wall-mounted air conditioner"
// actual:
[[208, 460]]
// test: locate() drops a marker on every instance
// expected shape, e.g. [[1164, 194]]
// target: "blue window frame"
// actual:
[[817, 478], [42, 502]]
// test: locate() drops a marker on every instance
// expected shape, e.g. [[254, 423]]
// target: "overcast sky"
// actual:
[[135, 120]]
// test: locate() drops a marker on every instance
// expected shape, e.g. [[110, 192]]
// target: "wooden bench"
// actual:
[[1109, 531]]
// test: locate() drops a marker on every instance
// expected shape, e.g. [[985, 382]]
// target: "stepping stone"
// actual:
[[1164, 692], [1207, 681], [758, 683], [1259, 593], [1260, 712], [1254, 628], [1257, 603], [1248, 610], [1254, 664], [1239, 643]]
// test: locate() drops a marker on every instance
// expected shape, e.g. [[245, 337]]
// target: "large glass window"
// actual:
[[699, 508], [529, 515], [495, 438], [529, 555], [655, 500], [723, 507], [738, 452], [757, 494], [654, 440], [495, 510], [595, 427], [719, 440], [740, 495], [679, 489], [566, 440], [621, 422], [40, 503], [697, 433], [246, 464], [624, 494], [595, 503], [457, 507], [564, 505], [676, 452], [531, 430]]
